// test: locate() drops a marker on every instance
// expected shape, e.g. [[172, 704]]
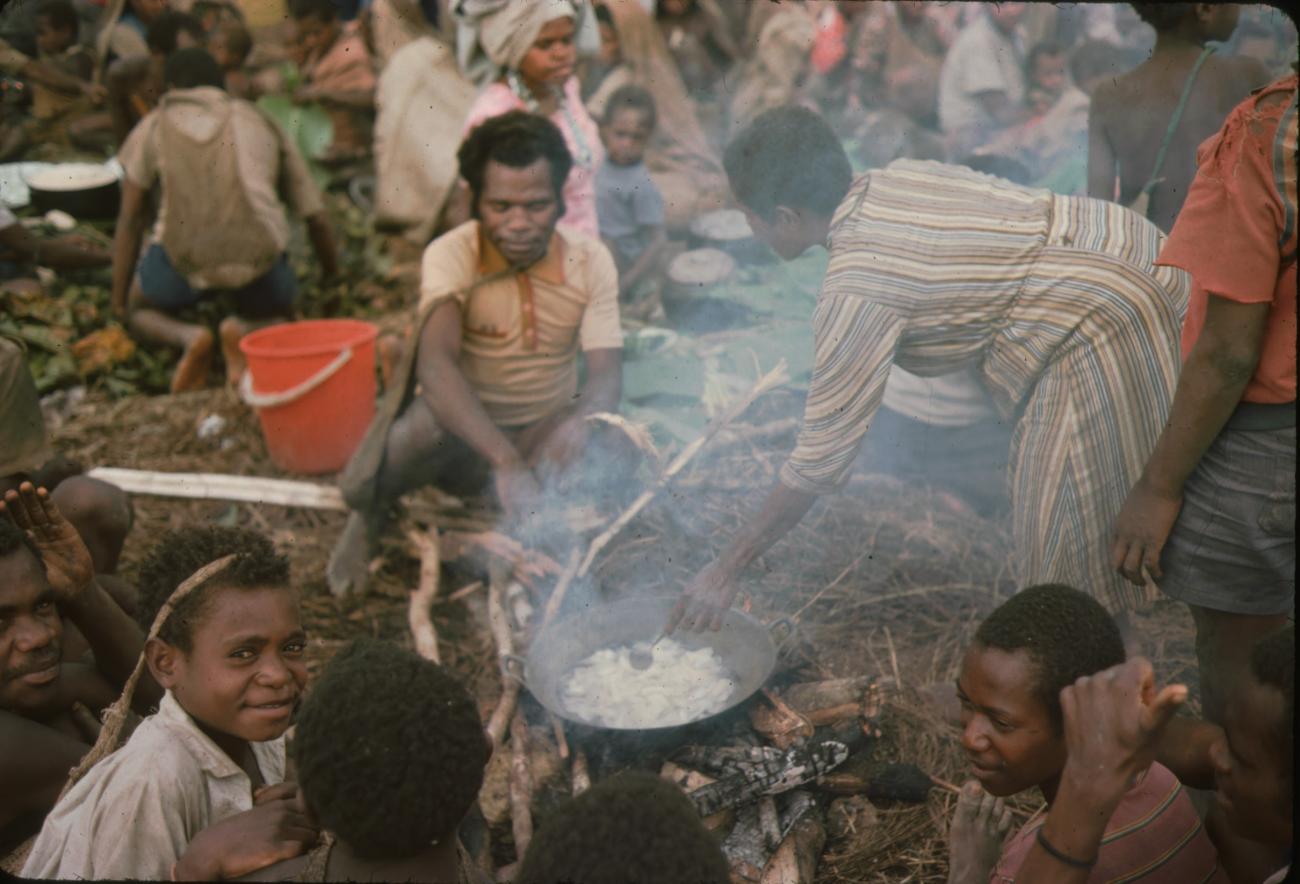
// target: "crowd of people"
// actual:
[[1061, 243]]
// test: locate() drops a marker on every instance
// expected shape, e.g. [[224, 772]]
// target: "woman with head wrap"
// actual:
[[526, 51]]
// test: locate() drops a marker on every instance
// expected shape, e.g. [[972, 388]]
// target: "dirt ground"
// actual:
[[883, 578]]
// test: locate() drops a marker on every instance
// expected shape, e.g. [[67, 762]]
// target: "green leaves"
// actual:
[[307, 125]]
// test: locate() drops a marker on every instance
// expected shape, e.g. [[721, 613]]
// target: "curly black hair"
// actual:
[[61, 15], [635, 98], [323, 10], [13, 538], [180, 553], [788, 156], [1163, 16], [1066, 633], [1272, 663], [162, 32], [390, 750], [516, 139], [633, 828]]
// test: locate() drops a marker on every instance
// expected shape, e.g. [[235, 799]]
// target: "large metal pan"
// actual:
[[746, 647]]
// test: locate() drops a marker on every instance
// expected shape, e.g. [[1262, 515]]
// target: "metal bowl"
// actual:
[[55, 188], [745, 646]]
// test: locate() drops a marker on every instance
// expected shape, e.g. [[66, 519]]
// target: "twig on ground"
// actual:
[[774, 378], [419, 613], [521, 785], [561, 743], [580, 776], [561, 589], [499, 625]]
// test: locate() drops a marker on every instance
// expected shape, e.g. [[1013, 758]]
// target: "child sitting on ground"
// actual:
[[230, 43], [390, 755], [57, 46], [337, 72], [230, 658], [628, 204], [1025, 653], [630, 827]]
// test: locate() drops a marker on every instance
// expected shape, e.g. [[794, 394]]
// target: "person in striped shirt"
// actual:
[[1055, 302], [1030, 661]]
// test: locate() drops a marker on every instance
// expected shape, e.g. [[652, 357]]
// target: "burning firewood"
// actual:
[[770, 776], [778, 723], [804, 835], [892, 782], [521, 786], [688, 781], [418, 615], [499, 625]]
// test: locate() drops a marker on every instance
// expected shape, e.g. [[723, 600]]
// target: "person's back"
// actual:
[[1130, 115]]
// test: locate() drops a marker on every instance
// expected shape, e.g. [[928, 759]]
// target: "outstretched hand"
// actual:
[[705, 601], [68, 566], [1113, 724]]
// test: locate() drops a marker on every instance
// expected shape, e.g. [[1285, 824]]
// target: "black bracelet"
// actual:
[[1061, 857]]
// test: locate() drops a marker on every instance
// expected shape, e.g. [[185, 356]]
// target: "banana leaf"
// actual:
[[307, 125]]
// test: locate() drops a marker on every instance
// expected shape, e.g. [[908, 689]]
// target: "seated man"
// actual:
[[982, 81], [36, 72], [506, 302], [1116, 721], [338, 73], [630, 827], [1031, 647], [412, 763], [46, 577], [222, 225]]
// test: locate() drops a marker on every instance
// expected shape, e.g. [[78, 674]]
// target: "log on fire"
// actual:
[[775, 772]]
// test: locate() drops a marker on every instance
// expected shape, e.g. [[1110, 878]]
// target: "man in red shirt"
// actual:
[[1213, 517]]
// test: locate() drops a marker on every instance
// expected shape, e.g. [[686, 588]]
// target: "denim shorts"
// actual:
[[271, 294], [1233, 546]]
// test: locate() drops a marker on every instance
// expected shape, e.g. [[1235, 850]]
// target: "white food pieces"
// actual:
[[681, 686]]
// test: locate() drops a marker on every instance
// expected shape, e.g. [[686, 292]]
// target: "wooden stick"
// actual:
[[580, 776], [558, 727], [893, 659], [217, 486], [561, 589], [773, 379], [521, 785], [465, 591], [500, 628], [419, 614]]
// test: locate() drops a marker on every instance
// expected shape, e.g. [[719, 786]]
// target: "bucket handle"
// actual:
[[284, 397], [513, 666]]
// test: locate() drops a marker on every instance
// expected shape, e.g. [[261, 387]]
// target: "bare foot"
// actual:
[[979, 826], [192, 371], [232, 330]]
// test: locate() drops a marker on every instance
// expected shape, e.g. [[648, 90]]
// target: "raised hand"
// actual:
[[68, 566], [705, 600]]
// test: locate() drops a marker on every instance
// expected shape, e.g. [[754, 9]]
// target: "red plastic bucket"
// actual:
[[313, 385]]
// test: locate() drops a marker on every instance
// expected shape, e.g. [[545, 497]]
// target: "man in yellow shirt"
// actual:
[[506, 302]]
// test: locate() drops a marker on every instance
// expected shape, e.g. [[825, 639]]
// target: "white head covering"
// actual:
[[493, 36]]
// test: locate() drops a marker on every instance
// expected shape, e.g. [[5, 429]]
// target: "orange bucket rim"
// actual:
[[251, 344]]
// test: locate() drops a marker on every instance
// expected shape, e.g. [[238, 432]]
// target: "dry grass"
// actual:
[[883, 578]]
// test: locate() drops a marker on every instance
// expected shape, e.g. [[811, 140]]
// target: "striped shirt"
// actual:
[[927, 270], [1154, 837], [1055, 305]]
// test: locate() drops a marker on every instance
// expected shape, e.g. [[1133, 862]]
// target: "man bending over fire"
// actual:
[[507, 300]]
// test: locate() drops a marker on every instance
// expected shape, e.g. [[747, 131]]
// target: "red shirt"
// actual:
[[1236, 233]]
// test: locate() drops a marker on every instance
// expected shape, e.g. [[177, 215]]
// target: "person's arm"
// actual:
[[1213, 378], [1101, 156], [34, 765], [51, 77], [62, 253], [710, 593], [123, 77], [1113, 722], [1185, 750], [114, 638], [455, 407], [278, 827], [322, 243], [649, 257], [562, 437], [127, 238]]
